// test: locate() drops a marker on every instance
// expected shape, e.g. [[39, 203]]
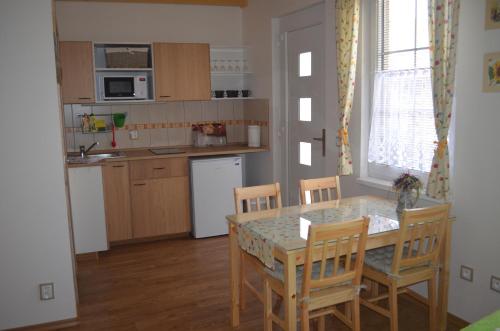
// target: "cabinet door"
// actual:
[[117, 200], [160, 206], [77, 71], [182, 71], [87, 209]]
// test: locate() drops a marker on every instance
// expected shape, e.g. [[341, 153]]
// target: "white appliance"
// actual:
[[212, 184], [132, 87], [87, 209]]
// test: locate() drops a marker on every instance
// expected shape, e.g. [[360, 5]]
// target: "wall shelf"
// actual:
[[238, 98], [124, 69], [225, 73]]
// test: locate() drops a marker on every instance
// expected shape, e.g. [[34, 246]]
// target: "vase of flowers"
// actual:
[[407, 187]]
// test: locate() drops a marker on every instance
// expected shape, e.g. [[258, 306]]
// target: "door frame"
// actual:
[[319, 13]]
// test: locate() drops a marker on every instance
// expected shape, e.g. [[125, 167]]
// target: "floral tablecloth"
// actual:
[[289, 232]]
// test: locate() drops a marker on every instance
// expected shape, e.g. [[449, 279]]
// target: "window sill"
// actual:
[[386, 185]]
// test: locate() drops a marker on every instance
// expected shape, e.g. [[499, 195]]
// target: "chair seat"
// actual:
[[279, 272], [381, 258]]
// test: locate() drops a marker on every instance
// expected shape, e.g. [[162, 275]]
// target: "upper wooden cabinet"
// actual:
[[182, 71], [77, 71]]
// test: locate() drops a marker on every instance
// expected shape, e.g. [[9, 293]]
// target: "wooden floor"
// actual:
[[183, 285]]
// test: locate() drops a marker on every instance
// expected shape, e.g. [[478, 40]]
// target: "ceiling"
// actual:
[[235, 3]]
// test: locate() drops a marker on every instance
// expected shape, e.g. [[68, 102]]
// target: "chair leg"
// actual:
[[304, 318], [431, 295], [348, 310], [393, 306], [356, 323], [374, 289], [321, 323], [268, 306], [242, 282]]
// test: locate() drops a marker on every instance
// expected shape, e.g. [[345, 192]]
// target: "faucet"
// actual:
[[84, 152]]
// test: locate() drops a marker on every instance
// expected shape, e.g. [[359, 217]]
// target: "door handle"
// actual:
[[323, 141]]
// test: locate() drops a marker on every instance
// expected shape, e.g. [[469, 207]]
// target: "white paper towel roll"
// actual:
[[253, 136]]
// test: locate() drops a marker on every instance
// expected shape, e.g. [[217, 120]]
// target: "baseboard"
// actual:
[[149, 239], [415, 297], [57, 325]]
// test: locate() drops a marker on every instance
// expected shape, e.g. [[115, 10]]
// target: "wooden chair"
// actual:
[[249, 199], [327, 282], [413, 259], [317, 188]]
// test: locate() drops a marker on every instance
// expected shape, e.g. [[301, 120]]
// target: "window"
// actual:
[[305, 64], [305, 109], [402, 131]]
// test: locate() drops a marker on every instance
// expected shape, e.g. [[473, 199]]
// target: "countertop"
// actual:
[[188, 151]]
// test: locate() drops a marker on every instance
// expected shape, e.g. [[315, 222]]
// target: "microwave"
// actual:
[[124, 87]]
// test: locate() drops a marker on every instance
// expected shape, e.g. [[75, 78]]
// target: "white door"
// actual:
[[306, 106]]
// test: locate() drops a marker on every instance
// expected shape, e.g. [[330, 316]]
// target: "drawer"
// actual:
[[159, 168]]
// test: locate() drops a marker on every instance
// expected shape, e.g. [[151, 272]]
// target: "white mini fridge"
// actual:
[[212, 185]]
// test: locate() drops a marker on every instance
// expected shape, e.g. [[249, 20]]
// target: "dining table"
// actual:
[[281, 234]]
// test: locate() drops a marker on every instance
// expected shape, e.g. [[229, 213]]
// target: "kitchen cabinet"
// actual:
[[87, 209], [77, 68], [160, 197], [182, 71], [117, 200]]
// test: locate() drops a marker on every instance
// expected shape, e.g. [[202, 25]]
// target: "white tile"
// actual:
[[159, 137], [139, 114], [158, 113], [193, 111], [68, 116], [210, 110], [238, 109], [225, 111], [144, 139], [122, 139], [101, 109], [175, 112], [176, 136]]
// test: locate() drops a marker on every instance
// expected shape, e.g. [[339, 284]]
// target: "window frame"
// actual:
[[381, 177]]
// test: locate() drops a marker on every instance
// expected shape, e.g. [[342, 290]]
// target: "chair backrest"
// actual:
[[421, 235], [256, 198], [319, 189], [335, 241]]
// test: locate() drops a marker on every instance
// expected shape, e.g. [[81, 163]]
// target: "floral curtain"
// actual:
[[443, 29], [347, 26]]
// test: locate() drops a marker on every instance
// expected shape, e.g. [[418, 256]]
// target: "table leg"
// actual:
[[444, 278], [234, 260], [290, 295]]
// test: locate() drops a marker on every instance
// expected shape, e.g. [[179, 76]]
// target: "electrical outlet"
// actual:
[[133, 135], [47, 291], [466, 273], [495, 283]]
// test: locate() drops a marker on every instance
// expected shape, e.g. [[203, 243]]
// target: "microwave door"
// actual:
[[118, 87]]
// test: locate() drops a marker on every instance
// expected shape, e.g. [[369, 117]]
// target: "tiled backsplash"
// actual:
[[167, 124]]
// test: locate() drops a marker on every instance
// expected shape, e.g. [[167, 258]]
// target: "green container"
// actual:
[[119, 119]]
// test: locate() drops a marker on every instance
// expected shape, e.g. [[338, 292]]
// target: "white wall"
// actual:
[[34, 232], [477, 188], [126, 22], [476, 241]]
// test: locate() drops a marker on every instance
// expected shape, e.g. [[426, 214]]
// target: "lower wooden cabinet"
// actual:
[[146, 198], [160, 206], [117, 200]]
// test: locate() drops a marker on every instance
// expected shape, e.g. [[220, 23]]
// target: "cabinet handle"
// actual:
[[162, 168], [164, 96], [140, 184], [118, 166], [84, 98]]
